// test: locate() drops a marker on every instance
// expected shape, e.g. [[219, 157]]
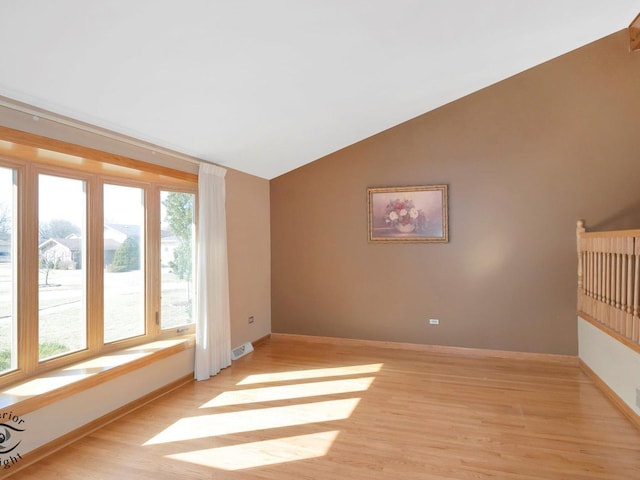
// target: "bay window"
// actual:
[[96, 253]]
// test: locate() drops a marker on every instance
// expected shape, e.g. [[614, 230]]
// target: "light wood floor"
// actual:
[[297, 411]]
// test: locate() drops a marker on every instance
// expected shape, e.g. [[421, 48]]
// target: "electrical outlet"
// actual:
[[434, 321], [251, 319]]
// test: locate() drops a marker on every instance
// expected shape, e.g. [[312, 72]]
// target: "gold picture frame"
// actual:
[[417, 214]]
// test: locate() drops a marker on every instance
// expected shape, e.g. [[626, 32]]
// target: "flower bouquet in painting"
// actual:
[[404, 216]]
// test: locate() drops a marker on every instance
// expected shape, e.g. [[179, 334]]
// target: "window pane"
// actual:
[[123, 262], [7, 271], [176, 258], [61, 301]]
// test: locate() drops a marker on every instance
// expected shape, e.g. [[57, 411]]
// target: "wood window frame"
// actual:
[[31, 155]]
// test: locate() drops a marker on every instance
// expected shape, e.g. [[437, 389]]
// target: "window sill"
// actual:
[[55, 385]]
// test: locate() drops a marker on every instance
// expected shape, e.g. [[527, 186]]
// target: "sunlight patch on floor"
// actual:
[[260, 454], [312, 373], [285, 392], [259, 419]]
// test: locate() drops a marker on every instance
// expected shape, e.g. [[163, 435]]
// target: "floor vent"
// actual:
[[241, 351]]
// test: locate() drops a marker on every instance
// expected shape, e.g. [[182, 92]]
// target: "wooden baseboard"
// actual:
[[555, 359], [626, 410], [47, 449], [261, 340]]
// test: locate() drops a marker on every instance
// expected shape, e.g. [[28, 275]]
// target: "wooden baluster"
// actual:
[[603, 249], [611, 274], [623, 283], [594, 277], [598, 270], [607, 281], [602, 287], [623, 293], [612, 285], [605, 271], [620, 285], [592, 270], [613, 259], [586, 274], [623, 274], [622, 247], [623, 278], [618, 269], [629, 302], [636, 288], [581, 279], [588, 277], [618, 281], [589, 272], [598, 304], [612, 282]]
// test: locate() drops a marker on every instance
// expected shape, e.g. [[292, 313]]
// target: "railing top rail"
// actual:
[[614, 233]]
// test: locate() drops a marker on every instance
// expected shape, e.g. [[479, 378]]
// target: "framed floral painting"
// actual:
[[408, 214]]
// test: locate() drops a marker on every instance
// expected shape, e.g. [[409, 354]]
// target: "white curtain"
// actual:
[[213, 325]]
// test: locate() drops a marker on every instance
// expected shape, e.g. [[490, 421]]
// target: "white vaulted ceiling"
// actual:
[[265, 86]]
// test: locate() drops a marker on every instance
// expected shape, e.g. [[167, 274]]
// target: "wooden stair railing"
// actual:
[[609, 279]]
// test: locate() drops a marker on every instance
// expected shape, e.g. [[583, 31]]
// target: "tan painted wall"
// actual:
[[249, 251], [524, 159]]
